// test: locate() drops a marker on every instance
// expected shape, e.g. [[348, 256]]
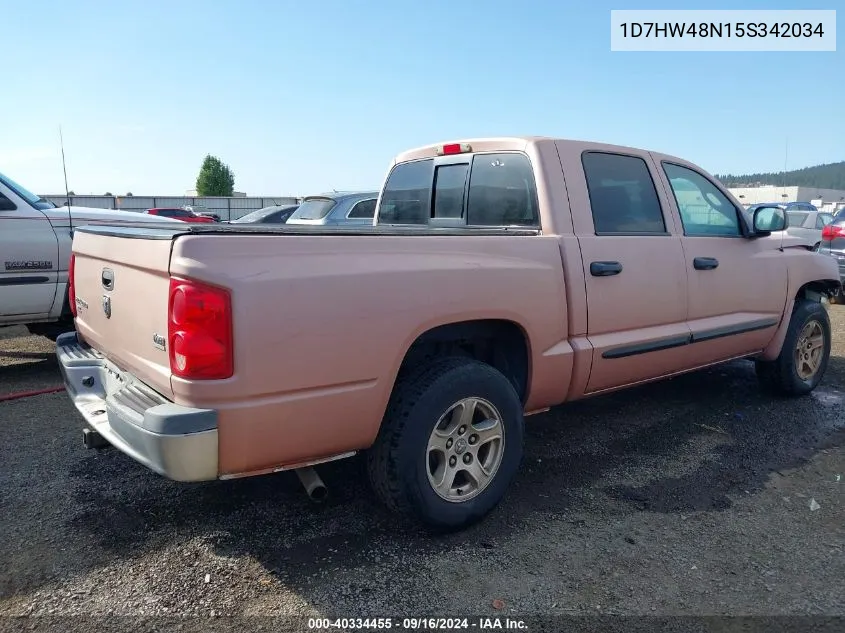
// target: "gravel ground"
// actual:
[[690, 496]]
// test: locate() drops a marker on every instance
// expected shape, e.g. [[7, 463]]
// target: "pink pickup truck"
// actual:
[[501, 277]]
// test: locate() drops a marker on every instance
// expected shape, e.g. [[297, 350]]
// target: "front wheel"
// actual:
[[450, 443], [803, 358]]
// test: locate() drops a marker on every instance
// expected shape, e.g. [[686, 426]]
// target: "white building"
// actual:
[[771, 193]]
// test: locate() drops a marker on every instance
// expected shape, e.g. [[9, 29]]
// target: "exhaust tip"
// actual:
[[314, 486], [319, 493]]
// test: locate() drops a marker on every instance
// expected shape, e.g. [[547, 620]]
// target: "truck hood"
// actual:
[[89, 215]]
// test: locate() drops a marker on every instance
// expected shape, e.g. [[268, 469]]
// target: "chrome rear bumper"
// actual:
[[175, 441]]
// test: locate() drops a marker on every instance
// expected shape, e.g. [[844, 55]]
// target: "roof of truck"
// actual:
[[505, 143]]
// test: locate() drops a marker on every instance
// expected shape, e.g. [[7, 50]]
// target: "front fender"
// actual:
[[809, 275]]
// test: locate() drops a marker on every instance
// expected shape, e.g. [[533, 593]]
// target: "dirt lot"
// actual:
[[690, 496]]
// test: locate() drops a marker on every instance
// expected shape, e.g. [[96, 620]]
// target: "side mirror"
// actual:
[[768, 219]]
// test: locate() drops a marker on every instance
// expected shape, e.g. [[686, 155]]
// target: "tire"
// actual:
[[785, 375], [401, 459]]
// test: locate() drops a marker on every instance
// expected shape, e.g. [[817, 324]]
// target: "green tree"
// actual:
[[108, 193], [215, 178]]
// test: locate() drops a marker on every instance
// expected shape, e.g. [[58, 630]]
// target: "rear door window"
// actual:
[[363, 209], [623, 198]]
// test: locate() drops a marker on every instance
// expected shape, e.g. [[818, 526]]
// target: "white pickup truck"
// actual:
[[35, 240]]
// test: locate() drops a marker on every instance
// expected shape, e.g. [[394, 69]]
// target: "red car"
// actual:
[[178, 214]]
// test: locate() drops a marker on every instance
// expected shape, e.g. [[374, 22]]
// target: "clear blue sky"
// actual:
[[300, 96]]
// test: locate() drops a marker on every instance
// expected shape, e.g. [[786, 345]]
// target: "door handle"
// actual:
[[605, 269], [705, 263]]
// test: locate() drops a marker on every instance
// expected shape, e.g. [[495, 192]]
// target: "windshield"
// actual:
[[314, 209], [28, 196]]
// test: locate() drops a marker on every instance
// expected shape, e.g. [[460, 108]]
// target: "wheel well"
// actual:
[[501, 344], [815, 289]]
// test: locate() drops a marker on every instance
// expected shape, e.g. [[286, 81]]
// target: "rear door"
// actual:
[[737, 285], [633, 264]]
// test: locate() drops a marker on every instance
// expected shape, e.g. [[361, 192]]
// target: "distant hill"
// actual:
[[830, 176]]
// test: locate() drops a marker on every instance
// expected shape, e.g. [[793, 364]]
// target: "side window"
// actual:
[[796, 218], [705, 211], [363, 209], [623, 197], [502, 191], [823, 219], [6, 204], [406, 195], [449, 183]]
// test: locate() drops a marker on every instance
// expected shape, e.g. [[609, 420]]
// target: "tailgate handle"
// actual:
[[108, 278]]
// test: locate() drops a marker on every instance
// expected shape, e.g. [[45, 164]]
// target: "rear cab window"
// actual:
[[488, 189]]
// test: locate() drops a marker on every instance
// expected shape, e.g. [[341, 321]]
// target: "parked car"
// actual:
[[807, 225], [833, 244], [330, 209], [177, 213], [799, 206], [501, 277], [267, 215], [35, 240]]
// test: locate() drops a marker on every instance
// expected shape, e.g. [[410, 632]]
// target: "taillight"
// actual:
[[199, 331], [832, 231], [71, 286]]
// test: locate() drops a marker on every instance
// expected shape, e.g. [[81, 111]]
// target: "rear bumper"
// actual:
[[175, 441]]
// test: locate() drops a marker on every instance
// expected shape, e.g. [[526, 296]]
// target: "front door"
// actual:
[[737, 284], [633, 264], [29, 253]]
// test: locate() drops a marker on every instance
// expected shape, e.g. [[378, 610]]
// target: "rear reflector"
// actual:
[[453, 148], [832, 231], [199, 331]]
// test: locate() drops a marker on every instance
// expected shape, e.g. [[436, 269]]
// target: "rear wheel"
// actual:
[[450, 443], [804, 356]]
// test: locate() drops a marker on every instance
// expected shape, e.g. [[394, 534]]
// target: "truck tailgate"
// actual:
[[122, 287]]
